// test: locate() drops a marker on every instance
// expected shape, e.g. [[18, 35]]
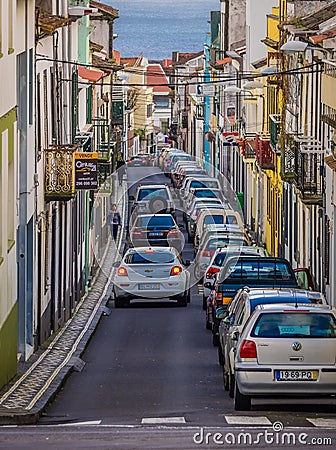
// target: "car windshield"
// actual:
[[155, 222], [152, 192], [148, 257], [295, 324]]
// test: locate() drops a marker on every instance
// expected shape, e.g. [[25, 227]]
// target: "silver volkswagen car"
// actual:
[[286, 349]]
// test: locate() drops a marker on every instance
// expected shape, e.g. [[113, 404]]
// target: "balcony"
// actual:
[[59, 178], [248, 148], [264, 153], [275, 124], [309, 169], [287, 161]]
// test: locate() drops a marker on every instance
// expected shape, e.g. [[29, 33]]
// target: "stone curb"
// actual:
[[22, 416]]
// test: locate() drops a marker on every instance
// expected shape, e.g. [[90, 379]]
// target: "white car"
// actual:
[[285, 350], [152, 273]]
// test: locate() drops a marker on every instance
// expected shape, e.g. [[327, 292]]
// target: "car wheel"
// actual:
[[232, 382], [220, 355], [157, 205], [241, 402], [215, 339], [182, 301], [204, 305], [188, 296], [225, 379]]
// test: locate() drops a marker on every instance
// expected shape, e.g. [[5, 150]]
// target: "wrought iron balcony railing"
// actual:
[[309, 169], [248, 148], [275, 124], [59, 178]]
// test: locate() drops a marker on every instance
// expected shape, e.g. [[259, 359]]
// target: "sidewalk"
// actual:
[[23, 401]]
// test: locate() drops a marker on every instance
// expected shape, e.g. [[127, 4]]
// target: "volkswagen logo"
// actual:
[[296, 346]]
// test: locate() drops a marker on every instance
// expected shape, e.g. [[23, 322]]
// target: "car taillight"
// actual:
[[122, 272], [144, 160], [248, 349], [136, 233], [173, 233], [210, 272], [171, 209], [219, 299], [176, 270]]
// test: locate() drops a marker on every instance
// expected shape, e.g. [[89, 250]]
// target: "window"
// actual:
[[150, 258]]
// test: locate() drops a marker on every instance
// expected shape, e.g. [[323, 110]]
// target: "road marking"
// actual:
[[247, 420], [160, 420], [88, 422], [327, 423]]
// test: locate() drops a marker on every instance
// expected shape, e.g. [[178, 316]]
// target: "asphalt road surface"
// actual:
[[152, 380]]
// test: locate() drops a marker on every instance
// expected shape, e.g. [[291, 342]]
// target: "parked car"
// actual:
[[239, 312], [251, 271], [215, 217], [196, 178], [156, 230], [152, 198], [212, 230], [201, 193], [153, 273], [191, 211], [211, 210], [181, 168], [210, 245], [215, 265], [286, 350], [175, 156]]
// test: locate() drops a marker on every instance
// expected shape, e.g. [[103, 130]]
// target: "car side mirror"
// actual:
[[187, 262], [131, 197], [221, 314], [227, 320], [208, 285], [181, 226], [235, 336], [116, 264]]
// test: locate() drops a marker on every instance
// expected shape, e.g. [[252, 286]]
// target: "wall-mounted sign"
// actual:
[[86, 170]]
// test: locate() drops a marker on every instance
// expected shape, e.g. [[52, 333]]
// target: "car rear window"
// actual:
[[205, 193], [154, 192], [155, 221], [212, 219], [259, 270], [295, 325], [215, 243], [150, 258]]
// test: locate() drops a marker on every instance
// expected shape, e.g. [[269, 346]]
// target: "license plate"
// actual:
[[155, 234], [149, 287], [296, 375]]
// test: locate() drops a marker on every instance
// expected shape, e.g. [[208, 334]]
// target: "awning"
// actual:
[[89, 74], [224, 61], [330, 161]]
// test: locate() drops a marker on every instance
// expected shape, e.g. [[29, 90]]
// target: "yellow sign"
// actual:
[[86, 155]]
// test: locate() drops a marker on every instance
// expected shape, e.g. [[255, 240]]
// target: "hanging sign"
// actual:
[[86, 170]]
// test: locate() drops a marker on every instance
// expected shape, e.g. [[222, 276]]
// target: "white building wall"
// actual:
[[256, 28]]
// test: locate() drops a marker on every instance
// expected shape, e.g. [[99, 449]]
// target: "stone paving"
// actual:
[[24, 400]]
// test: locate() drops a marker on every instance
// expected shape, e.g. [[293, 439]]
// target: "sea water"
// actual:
[[156, 28]]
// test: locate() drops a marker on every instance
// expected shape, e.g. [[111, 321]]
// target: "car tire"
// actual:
[[158, 205], [241, 402], [215, 339], [220, 356], [183, 301], [225, 379], [204, 303], [232, 383]]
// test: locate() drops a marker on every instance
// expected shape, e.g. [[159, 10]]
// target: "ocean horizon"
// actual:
[[156, 28]]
